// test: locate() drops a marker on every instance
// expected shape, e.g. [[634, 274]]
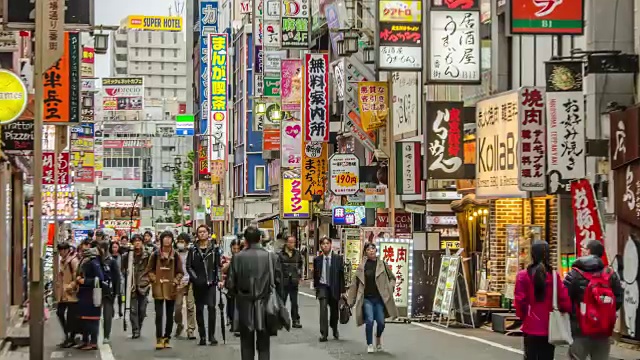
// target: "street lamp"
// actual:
[[340, 48], [368, 53], [260, 107], [350, 42], [87, 101], [101, 43]]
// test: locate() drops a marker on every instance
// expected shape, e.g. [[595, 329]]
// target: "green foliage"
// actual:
[[182, 178]]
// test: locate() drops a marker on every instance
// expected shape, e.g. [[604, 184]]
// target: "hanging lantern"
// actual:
[[101, 43], [340, 48], [351, 42], [368, 53]]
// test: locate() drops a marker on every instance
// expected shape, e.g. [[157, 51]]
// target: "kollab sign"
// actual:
[[497, 163]]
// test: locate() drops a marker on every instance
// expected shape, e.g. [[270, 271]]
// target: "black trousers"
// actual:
[[211, 320], [137, 311], [91, 331], [291, 291], [161, 306], [68, 318], [327, 300], [538, 348], [107, 315], [231, 307], [250, 341]]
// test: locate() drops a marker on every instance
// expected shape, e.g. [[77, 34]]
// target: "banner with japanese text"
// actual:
[[48, 175], [373, 100], [88, 62], [292, 206], [532, 128], [315, 166], [62, 84], [444, 149], [586, 217], [218, 44], [316, 102], [396, 257], [408, 171]]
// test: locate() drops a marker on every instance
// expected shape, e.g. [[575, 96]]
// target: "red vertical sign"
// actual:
[[586, 217]]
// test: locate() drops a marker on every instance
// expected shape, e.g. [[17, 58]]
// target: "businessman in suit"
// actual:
[[328, 280]]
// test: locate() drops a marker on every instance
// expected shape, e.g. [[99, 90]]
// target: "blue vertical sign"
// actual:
[[208, 25]]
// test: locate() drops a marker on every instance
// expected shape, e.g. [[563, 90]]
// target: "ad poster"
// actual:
[[396, 257], [292, 206], [291, 142], [291, 85]]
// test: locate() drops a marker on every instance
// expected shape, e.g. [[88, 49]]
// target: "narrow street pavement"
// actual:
[[401, 341]]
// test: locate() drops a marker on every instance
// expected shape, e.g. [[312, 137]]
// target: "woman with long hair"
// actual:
[[371, 293], [534, 301], [116, 254]]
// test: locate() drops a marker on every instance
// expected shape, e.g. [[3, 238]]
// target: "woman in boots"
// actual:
[[165, 273]]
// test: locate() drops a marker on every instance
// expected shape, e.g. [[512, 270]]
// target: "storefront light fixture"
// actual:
[[351, 42], [261, 108], [101, 43], [368, 53], [204, 141], [475, 213], [340, 48], [87, 101], [471, 218], [276, 115]]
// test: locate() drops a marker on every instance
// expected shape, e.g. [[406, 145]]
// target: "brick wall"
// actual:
[[517, 211]]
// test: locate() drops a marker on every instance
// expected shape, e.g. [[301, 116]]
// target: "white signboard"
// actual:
[[532, 128], [406, 103], [338, 77], [454, 55], [344, 174], [271, 11], [396, 255], [442, 220], [497, 162], [291, 143], [400, 58], [271, 60], [272, 34], [245, 7], [565, 139]]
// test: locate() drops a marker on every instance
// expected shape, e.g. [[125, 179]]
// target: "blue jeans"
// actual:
[[373, 310]]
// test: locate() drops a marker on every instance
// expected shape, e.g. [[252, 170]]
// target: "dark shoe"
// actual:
[[236, 334], [135, 335], [68, 343], [296, 325], [80, 345], [323, 339], [202, 342], [213, 341], [336, 334]]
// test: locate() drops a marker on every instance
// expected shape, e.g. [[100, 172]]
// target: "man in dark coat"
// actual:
[[140, 286], [203, 263], [249, 282], [291, 263], [576, 284], [328, 280]]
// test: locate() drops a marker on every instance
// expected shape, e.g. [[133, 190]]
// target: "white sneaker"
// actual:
[[379, 347], [371, 349]]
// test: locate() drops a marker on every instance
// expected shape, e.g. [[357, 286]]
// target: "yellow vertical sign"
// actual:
[[315, 167], [373, 100]]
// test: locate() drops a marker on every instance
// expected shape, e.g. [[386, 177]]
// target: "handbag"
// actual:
[[559, 323], [97, 293], [344, 311], [277, 314]]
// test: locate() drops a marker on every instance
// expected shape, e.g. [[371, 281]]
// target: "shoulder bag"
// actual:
[[277, 314], [97, 292], [559, 323]]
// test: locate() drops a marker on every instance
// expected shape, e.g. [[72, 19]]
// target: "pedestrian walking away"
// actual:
[[65, 294], [165, 273], [203, 263], [371, 294], [226, 263], [328, 280], [116, 254], [90, 278], [110, 287], [184, 296], [249, 284], [588, 272], [139, 288], [533, 297], [291, 263]]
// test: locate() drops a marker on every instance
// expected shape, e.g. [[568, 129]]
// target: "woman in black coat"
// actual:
[[89, 275], [203, 262]]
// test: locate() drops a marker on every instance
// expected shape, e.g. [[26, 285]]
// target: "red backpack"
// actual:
[[596, 313]]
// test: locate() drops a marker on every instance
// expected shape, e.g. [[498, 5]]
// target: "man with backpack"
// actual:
[[596, 294]]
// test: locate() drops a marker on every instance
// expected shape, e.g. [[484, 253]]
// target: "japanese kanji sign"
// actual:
[[344, 173], [531, 131], [625, 135], [62, 84], [315, 166], [551, 17], [408, 179], [586, 218], [400, 35], [444, 130], [48, 177], [626, 192], [208, 16], [292, 206], [218, 96], [295, 24], [396, 257], [373, 100], [291, 84], [316, 119]]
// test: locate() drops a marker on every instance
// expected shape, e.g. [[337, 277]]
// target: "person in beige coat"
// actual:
[[371, 293], [65, 293]]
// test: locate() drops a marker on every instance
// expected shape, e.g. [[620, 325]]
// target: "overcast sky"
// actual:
[[111, 12]]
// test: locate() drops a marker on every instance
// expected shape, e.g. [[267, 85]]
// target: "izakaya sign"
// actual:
[[586, 218], [552, 17], [532, 128], [405, 103], [625, 133], [344, 173], [497, 162], [444, 140], [627, 193], [218, 96], [316, 119], [566, 151], [400, 35], [396, 256], [408, 177], [455, 47]]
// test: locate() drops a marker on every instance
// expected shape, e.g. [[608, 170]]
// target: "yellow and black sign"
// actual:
[[155, 23]]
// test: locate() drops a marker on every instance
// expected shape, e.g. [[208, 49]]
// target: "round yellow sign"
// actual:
[[13, 97]]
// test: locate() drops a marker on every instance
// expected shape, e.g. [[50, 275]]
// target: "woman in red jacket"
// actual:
[[534, 302]]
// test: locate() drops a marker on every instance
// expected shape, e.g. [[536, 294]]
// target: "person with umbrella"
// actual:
[[203, 262]]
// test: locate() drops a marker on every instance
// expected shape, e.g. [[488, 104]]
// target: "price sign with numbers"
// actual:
[[344, 171]]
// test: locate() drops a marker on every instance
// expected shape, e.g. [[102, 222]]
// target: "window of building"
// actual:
[[175, 92], [175, 53], [175, 79], [118, 191], [260, 180], [162, 79], [149, 52], [136, 35], [149, 34], [105, 192], [175, 38], [161, 66], [162, 52], [162, 92], [149, 67], [137, 51]]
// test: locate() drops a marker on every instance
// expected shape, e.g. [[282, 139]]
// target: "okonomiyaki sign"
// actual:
[[497, 146]]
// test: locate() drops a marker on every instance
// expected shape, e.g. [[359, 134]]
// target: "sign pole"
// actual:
[[49, 47], [391, 178]]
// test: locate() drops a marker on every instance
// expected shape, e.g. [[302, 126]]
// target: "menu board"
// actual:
[[352, 247], [450, 285], [440, 287]]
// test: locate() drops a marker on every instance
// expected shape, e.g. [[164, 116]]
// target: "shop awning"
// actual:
[[267, 217], [152, 192]]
